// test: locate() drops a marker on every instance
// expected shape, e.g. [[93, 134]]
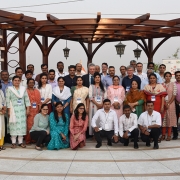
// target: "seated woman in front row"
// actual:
[[59, 128], [78, 127], [40, 129]]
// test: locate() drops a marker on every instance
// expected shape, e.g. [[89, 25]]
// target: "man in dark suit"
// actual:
[[88, 79]]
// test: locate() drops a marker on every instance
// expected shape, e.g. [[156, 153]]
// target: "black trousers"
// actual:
[[40, 137], [134, 134], [7, 138], [155, 132], [175, 129], [108, 134]]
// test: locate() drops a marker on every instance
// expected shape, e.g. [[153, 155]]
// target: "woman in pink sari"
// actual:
[[78, 127], [170, 111], [116, 94]]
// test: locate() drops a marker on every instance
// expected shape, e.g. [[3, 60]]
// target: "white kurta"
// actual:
[[93, 93], [2, 124]]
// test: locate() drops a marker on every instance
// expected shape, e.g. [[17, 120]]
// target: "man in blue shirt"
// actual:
[[5, 82], [107, 80], [126, 83]]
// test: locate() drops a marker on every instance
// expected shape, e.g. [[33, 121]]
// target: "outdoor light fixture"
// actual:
[[120, 48], [137, 52], [66, 51]]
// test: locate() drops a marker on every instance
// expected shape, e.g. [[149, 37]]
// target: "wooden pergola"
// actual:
[[91, 30]]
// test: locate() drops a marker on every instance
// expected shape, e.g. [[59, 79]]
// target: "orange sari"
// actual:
[[34, 97]]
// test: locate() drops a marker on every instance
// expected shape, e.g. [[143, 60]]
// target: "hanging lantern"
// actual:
[[137, 52], [66, 51], [120, 48]]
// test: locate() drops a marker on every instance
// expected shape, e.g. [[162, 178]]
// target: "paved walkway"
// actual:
[[107, 163]]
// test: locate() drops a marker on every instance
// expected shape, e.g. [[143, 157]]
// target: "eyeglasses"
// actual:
[[45, 109], [81, 108]]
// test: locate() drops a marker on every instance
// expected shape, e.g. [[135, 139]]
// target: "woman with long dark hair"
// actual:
[[78, 127], [40, 129], [80, 94], [45, 91], [97, 93], [59, 128]]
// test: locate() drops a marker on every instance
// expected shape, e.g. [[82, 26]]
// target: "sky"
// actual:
[[107, 53]]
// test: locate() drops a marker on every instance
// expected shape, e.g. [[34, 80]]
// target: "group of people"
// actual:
[[62, 109]]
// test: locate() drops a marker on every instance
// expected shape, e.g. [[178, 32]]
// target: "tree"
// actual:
[[175, 55]]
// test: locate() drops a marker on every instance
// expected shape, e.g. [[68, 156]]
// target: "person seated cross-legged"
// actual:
[[108, 124], [149, 124], [128, 127]]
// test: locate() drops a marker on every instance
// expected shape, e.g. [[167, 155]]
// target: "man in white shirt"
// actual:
[[79, 71], [149, 124], [162, 70], [19, 72], [61, 72], [139, 73], [128, 127], [108, 124]]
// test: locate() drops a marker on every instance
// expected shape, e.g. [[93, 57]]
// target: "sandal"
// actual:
[[162, 138], [2, 148], [13, 146], [38, 148], [22, 145], [168, 138]]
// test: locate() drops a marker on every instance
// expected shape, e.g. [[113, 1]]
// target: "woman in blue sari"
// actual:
[[59, 128], [62, 93]]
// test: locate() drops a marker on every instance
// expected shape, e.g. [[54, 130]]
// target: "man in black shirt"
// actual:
[[70, 80], [126, 83]]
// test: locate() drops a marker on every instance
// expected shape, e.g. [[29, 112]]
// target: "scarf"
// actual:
[[64, 95], [134, 96], [12, 118]]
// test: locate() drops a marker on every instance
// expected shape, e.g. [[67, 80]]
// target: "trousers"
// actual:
[[40, 137]]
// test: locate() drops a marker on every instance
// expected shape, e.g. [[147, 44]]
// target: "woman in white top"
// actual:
[[97, 94], [45, 91]]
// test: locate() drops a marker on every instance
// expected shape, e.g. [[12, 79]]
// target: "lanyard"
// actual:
[[106, 116], [32, 96], [42, 92], [116, 95], [79, 95]]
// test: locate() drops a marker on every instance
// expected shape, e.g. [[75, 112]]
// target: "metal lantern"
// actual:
[[66, 51], [120, 48], [137, 52]]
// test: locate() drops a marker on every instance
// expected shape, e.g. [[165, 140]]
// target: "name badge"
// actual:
[[115, 99], [133, 110], [78, 100], [127, 88], [19, 101], [106, 126], [42, 99], [153, 122], [129, 134], [34, 105], [2, 104], [98, 99], [153, 98], [61, 101]]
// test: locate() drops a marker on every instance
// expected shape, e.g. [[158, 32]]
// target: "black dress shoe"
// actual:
[[156, 146], [148, 144], [109, 143], [136, 146], [98, 145], [174, 138], [126, 144]]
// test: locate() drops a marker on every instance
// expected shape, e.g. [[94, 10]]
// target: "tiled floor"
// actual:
[[107, 163]]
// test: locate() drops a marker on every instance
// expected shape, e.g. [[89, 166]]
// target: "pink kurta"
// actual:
[[120, 94], [78, 126]]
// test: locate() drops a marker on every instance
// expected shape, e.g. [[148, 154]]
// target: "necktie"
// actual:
[[92, 79]]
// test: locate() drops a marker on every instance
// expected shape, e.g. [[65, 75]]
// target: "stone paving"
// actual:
[[116, 162]]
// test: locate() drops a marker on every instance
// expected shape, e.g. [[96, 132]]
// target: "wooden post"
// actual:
[[89, 53], [22, 52], [150, 48], [4, 64], [45, 47]]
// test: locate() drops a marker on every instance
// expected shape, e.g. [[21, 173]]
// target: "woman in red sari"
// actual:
[[35, 100], [78, 127], [156, 93]]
